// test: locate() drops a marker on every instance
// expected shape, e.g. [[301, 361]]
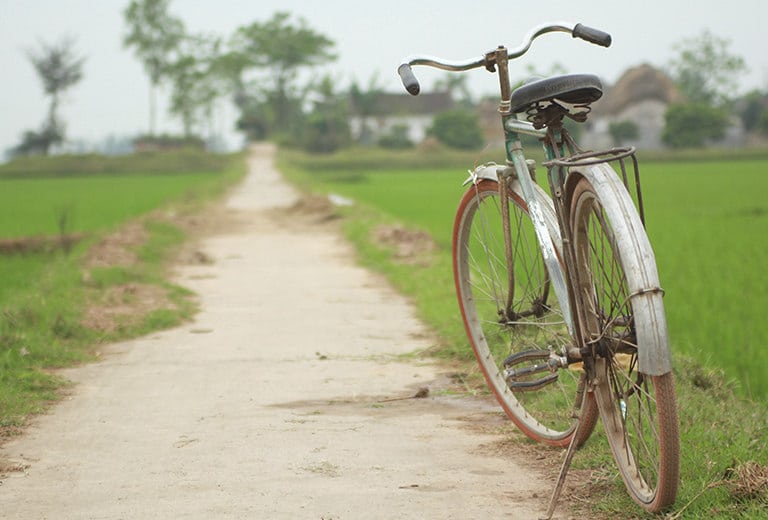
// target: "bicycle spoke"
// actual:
[[640, 421], [533, 321]]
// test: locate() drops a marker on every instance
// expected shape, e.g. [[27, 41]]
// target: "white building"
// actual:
[[415, 113]]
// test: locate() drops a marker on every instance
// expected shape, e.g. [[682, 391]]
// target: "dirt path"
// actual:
[[268, 405]]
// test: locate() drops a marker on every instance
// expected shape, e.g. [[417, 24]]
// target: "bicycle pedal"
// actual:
[[518, 378]]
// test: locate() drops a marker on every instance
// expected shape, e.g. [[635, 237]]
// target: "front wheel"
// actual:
[[511, 312], [638, 409]]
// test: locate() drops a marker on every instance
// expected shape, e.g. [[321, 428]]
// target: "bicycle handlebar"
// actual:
[[578, 30]]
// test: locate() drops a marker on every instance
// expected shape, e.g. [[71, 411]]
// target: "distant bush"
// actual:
[[693, 125], [326, 133], [458, 128], [181, 161], [396, 139], [622, 131], [762, 123], [159, 143]]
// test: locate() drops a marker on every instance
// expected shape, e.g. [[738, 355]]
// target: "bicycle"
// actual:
[[559, 294]]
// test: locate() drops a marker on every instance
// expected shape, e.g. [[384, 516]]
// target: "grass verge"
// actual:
[[61, 304]]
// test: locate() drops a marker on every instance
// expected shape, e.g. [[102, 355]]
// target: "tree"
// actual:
[[254, 120], [37, 143], [155, 36], [622, 131], [194, 85], [59, 68], [762, 123], [456, 86], [396, 138], [753, 107], [458, 128], [327, 127], [364, 105], [281, 48], [228, 67], [705, 71], [692, 125], [706, 74]]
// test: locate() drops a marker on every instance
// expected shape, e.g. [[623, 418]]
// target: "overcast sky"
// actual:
[[371, 38]]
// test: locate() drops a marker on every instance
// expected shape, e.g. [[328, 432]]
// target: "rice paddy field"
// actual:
[[45, 207], [707, 221], [35, 207]]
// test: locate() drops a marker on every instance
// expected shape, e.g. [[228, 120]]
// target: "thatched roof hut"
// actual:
[[640, 83]]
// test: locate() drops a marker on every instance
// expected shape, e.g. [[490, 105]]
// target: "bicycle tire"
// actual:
[[548, 414], [638, 409]]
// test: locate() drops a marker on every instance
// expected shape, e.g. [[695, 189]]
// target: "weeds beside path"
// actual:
[[95, 278]]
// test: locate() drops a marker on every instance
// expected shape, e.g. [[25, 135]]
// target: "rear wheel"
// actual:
[[639, 411], [527, 326]]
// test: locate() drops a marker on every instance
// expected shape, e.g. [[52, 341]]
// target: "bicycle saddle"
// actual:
[[574, 89]]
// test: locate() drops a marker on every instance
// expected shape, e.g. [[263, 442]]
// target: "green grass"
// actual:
[[34, 207], [44, 293], [708, 226], [163, 163], [708, 223]]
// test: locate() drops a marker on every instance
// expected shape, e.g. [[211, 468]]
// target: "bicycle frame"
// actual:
[[589, 229], [516, 158], [646, 294], [519, 169]]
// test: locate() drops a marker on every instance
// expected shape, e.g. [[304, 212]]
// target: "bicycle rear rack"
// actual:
[[620, 155]]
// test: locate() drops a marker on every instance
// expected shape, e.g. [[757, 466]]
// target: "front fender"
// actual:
[[491, 171], [488, 171]]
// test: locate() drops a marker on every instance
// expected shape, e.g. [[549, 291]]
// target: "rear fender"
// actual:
[[635, 250]]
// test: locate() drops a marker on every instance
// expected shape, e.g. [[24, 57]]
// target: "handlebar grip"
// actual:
[[410, 82], [591, 35]]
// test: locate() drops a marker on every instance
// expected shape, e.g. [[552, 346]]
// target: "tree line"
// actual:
[[707, 75], [258, 68]]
